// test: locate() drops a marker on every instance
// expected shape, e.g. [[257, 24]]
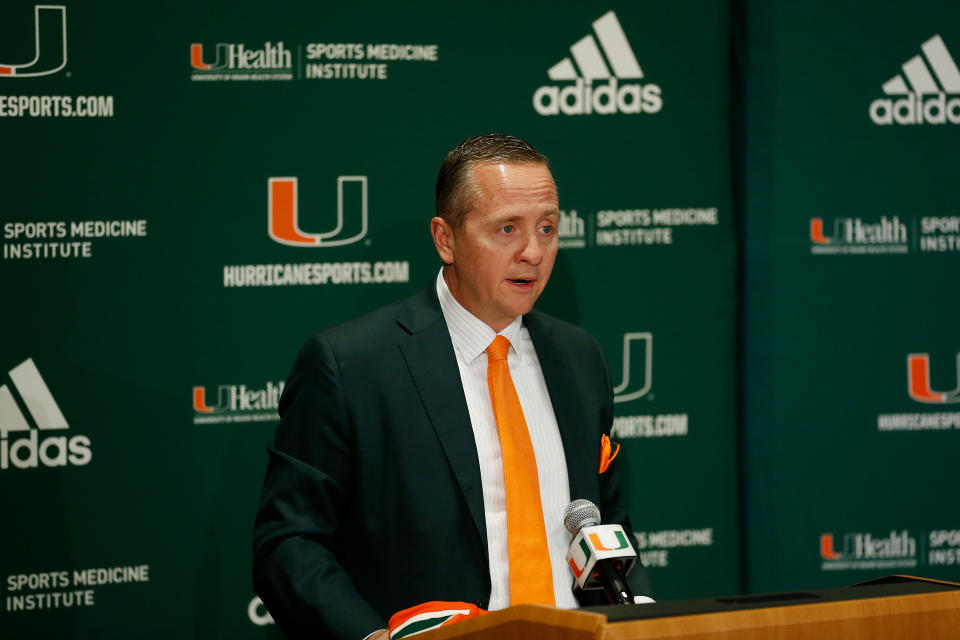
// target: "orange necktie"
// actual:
[[531, 575]]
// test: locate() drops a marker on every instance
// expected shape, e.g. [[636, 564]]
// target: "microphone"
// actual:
[[600, 556]]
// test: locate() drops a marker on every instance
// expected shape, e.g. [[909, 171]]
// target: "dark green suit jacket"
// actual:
[[372, 500]]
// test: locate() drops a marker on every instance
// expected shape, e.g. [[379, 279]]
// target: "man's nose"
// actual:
[[531, 252]]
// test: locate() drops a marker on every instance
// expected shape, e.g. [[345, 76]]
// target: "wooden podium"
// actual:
[[901, 607]]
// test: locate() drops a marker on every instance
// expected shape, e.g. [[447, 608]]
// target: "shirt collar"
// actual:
[[470, 335]]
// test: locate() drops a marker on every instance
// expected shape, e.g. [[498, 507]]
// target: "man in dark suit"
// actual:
[[385, 485]]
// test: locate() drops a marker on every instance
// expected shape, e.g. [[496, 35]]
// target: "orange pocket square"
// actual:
[[607, 452]]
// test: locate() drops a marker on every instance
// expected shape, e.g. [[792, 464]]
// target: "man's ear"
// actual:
[[443, 239]]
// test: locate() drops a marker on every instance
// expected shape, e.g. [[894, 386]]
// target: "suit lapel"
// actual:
[[432, 363], [556, 365]]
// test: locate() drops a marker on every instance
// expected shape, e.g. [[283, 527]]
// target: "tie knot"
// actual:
[[498, 349]]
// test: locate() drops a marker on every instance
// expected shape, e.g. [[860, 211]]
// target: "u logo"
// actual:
[[283, 224], [578, 570], [638, 360], [816, 231], [196, 58], [50, 44], [620, 542], [827, 551], [918, 381], [200, 400]]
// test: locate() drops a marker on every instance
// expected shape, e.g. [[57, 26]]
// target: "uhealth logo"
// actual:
[[582, 97], [235, 61], [50, 44], [638, 358], [283, 215], [924, 101], [855, 235], [866, 551], [28, 451], [918, 381], [237, 403]]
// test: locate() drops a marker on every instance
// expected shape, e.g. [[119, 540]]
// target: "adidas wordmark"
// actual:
[[610, 94], [924, 95]]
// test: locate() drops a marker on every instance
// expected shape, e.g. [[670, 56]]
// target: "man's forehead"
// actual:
[[505, 180], [504, 168]]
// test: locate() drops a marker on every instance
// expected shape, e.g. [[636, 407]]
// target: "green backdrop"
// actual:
[[851, 371], [190, 190]]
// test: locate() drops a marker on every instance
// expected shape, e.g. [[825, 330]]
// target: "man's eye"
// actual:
[[507, 228], [546, 229]]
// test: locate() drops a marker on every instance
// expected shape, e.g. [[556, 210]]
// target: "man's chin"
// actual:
[[519, 303], [524, 308]]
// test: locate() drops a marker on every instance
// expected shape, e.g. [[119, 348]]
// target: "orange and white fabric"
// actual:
[[430, 615], [470, 337], [531, 579]]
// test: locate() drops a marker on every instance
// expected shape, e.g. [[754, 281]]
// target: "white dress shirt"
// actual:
[[471, 337]]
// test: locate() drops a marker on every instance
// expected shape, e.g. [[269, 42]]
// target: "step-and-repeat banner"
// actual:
[[852, 225], [189, 191]]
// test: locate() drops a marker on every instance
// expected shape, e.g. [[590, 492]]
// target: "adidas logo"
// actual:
[[608, 96], [28, 451], [914, 107]]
